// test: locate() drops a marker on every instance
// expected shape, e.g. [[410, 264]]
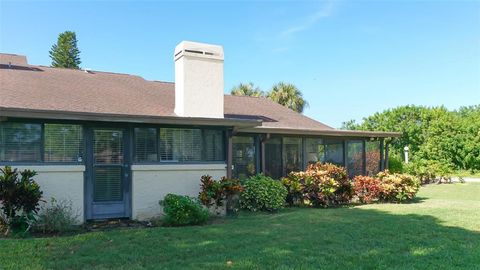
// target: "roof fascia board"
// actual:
[[331, 133], [81, 116]]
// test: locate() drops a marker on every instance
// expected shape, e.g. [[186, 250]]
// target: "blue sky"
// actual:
[[349, 58]]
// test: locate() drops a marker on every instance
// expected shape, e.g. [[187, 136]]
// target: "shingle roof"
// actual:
[[39, 88]]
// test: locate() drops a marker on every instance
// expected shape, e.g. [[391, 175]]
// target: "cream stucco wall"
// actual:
[[199, 82], [150, 183], [61, 182]]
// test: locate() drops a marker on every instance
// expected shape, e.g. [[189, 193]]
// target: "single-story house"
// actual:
[[115, 144]]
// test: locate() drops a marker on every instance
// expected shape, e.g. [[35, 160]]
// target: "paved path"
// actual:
[[467, 179]]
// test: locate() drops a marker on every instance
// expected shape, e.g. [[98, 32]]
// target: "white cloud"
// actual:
[[324, 12]]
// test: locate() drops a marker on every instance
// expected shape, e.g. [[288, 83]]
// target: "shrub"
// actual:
[[183, 210], [367, 189], [395, 164], [19, 199], [57, 217], [262, 193], [429, 171], [398, 187], [320, 185], [213, 191]]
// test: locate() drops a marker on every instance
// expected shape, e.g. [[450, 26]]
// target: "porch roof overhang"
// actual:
[[329, 133], [6, 113]]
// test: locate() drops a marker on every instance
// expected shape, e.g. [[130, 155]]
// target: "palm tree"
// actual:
[[288, 95], [247, 89]]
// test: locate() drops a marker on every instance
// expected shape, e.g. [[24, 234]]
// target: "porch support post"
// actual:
[[386, 155], [364, 157], [264, 138], [229, 154], [345, 153], [382, 155]]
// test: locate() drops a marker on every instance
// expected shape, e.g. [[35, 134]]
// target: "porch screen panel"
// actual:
[[315, 150], [334, 152], [63, 143], [179, 145], [373, 159], [273, 158], [213, 145], [243, 157], [292, 154], [355, 158], [146, 149], [108, 162], [20, 142]]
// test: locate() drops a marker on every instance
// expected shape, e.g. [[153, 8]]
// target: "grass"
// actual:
[[439, 230]]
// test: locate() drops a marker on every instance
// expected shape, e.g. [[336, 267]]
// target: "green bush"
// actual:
[[398, 187], [429, 171], [57, 217], [395, 164], [183, 210], [321, 185], [262, 193], [19, 199]]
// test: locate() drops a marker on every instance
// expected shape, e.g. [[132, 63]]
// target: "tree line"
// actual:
[[450, 137]]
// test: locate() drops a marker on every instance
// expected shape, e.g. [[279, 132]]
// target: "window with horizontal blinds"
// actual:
[[20, 142], [179, 144], [63, 143], [146, 144], [213, 145]]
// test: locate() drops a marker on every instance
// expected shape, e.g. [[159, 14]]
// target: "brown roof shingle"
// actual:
[[58, 89], [40, 88]]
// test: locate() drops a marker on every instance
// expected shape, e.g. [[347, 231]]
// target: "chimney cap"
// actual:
[[197, 49]]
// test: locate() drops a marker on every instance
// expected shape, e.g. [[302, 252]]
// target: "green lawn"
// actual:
[[440, 230]]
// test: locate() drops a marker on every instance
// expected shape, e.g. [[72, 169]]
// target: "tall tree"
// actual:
[[289, 96], [247, 89], [65, 53]]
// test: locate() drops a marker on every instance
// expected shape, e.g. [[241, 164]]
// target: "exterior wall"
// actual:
[[150, 183], [61, 182]]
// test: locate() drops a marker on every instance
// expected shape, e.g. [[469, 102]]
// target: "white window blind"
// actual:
[[63, 143]]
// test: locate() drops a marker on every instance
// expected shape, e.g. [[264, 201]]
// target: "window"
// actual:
[[334, 152], [20, 142], [315, 150], [146, 144], [213, 145], [372, 153], [355, 158], [63, 143], [178, 145], [292, 154]]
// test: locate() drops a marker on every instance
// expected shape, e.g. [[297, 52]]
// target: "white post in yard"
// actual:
[[405, 149]]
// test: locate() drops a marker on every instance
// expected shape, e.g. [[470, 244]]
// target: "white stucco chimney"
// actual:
[[198, 80]]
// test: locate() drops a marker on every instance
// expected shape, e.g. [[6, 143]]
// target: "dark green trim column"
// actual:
[[229, 153]]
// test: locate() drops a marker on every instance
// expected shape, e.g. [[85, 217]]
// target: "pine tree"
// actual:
[[65, 52]]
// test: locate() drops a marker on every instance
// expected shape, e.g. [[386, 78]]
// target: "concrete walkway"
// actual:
[[467, 179]]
